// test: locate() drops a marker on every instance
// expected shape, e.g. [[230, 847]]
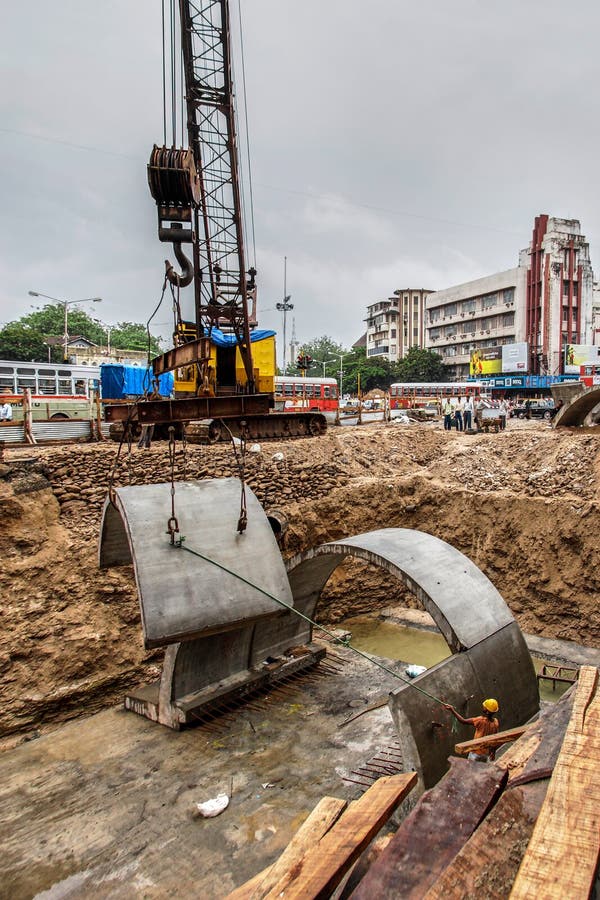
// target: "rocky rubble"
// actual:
[[522, 504]]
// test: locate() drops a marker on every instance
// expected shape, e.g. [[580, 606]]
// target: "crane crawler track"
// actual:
[[271, 427]]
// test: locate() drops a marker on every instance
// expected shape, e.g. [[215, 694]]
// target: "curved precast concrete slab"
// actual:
[[490, 655], [182, 596], [463, 602], [575, 412], [500, 667]]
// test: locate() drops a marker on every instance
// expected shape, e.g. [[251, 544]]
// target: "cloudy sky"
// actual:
[[393, 144]]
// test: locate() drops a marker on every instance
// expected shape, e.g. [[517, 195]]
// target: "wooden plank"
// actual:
[[489, 742], [431, 836], [562, 857], [323, 867], [488, 863], [326, 812]]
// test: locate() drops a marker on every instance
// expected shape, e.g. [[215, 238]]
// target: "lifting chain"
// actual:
[[240, 459], [173, 524]]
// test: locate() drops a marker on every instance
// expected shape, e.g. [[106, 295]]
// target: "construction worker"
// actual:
[[484, 726]]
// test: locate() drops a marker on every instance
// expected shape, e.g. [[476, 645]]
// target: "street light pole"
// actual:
[[285, 308], [66, 304]]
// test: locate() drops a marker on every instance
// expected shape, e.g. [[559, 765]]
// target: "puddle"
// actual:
[[410, 645], [415, 646]]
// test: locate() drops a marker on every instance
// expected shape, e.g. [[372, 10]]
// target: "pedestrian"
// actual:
[[528, 408], [468, 413], [458, 415], [484, 725], [503, 413], [448, 410], [478, 413], [5, 412], [557, 409]]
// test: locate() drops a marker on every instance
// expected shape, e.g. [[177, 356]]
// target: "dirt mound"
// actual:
[[522, 504]]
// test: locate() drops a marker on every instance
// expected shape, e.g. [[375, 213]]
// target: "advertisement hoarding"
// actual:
[[486, 361], [515, 357], [577, 355]]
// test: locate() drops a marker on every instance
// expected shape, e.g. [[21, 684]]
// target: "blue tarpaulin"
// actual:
[[226, 340], [118, 381]]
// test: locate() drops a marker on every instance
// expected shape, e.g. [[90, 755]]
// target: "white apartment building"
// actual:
[[547, 301], [396, 324], [472, 316]]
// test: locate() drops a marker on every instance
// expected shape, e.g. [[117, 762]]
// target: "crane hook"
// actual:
[[187, 269]]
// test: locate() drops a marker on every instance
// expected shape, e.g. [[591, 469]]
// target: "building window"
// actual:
[[415, 334], [566, 288], [468, 306], [508, 320], [434, 315], [508, 295], [451, 309], [393, 333], [575, 289], [489, 300], [434, 333]]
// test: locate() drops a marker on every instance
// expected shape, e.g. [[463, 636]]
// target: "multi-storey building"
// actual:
[[547, 301], [397, 324], [473, 316]]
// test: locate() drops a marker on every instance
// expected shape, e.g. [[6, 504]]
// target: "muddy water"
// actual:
[[417, 646]]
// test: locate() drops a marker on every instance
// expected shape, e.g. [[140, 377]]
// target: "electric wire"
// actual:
[[164, 76], [250, 187], [183, 546]]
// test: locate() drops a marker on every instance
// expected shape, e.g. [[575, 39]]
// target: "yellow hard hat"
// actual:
[[491, 705]]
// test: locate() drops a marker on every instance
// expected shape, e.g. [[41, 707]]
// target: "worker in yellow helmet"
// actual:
[[484, 726]]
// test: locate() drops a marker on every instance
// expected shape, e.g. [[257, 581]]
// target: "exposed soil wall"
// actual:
[[523, 505]]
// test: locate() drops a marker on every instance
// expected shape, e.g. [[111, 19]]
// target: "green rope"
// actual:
[[180, 545]]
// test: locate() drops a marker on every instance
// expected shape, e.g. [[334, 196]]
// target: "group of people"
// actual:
[[458, 414], [464, 414]]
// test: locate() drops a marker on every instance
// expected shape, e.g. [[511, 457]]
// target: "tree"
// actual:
[[374, 372], [22, 342], [25, 338], [133, 336], [420, 365], [322, 350]]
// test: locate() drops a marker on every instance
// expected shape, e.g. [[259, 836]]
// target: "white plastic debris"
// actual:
[[214, 807], [278, 457], [255, 448], [412, 671], [401, 420]]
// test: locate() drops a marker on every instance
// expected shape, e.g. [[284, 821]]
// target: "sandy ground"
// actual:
[[523, 505]]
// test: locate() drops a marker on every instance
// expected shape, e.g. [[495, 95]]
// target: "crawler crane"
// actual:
[[224, 370]]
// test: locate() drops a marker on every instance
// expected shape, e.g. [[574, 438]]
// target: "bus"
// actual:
[[589, 375], [57, 391], [293, 393], [414, 395]]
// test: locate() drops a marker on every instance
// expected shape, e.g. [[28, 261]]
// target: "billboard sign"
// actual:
[[499, 360], [486, 361], [577, 355], [515, 357]]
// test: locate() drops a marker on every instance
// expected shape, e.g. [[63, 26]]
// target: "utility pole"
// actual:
[[285, 307], [294, 341]]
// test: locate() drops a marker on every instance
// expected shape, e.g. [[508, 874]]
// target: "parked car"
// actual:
[[539, 409]]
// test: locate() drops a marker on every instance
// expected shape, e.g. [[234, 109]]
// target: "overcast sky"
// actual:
[[394, 144]]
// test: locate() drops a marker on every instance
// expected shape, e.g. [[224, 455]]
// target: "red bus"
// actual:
[[589, 375], [296, 394], [412, 395]]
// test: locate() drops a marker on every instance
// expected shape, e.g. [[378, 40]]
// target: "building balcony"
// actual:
[[378, 351]]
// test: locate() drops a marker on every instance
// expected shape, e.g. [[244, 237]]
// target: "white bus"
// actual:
[[57, 391]]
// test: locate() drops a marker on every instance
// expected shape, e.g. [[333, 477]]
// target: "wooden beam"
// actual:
[[482, 745], [434, 832], [489, 861], [326, 812], [319, 872], [562, 857]]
